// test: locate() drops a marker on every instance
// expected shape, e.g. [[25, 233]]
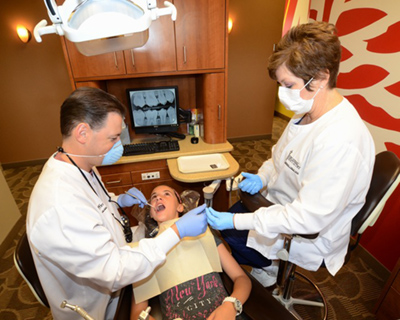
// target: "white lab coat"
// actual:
[[79, 248], [319, 176]]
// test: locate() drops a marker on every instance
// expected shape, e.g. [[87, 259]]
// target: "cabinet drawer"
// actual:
[[117, 179]]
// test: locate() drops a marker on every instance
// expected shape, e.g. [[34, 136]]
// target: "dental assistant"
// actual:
[[320, 169], [77, 236]]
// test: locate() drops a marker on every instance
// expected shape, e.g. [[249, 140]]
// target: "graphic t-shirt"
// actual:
[[196, 298], [193, 299]]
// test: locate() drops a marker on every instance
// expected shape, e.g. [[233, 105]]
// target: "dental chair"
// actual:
[[260, 305], [23, 261], [26, 267], [385, 179]]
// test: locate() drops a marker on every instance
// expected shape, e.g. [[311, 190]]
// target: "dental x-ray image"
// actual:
[[154, 110], [154, 107]]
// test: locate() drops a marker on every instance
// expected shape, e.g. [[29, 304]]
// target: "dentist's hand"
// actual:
[[193, 223], [251, 184], [219, 220], [125, 200]]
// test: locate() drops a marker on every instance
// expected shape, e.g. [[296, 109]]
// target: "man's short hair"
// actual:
[[88, 105]]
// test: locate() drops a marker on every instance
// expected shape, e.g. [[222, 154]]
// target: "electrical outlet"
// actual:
[[151, 175]]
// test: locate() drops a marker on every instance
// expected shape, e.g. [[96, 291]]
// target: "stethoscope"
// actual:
[[124, 222]]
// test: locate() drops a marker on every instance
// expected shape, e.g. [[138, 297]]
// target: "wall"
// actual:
[[34, 84], [10, 213], [369, 79], [296, 12], [251, 93]]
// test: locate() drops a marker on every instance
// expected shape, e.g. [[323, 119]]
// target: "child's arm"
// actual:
[[241, 285], [137, 308]]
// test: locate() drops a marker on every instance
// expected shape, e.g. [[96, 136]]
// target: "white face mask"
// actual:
[[292, 100]]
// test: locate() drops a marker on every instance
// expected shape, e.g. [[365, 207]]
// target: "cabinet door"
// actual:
[[108, 64], [158, 54], [213, 102], [200, 34]]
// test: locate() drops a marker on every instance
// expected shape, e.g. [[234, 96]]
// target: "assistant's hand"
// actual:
[[193, 223], [251, 184], [219, 220], [125, 200]]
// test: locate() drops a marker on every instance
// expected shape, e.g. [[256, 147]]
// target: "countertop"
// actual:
[[189, 149]]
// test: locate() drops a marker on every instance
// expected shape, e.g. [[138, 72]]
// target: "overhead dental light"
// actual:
[[102, 26]]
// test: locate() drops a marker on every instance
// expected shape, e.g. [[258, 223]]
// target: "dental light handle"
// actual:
[[169, 9], [77, 309], [53, 11], [41, 29]]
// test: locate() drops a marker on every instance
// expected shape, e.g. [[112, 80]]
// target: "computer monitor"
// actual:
[[154, 110]]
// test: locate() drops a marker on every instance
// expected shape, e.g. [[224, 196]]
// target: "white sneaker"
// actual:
[[266, 276]]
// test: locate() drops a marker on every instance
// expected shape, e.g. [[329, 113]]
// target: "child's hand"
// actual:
[[225, 311]]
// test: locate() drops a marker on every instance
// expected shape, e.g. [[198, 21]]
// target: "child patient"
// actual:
[[201, 297]]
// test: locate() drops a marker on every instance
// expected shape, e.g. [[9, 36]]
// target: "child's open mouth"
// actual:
[[160, 207]]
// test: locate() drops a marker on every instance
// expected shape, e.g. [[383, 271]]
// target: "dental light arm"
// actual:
[[101, 26]]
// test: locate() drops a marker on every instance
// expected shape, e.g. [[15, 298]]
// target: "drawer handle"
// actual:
[[115, 60], [114, 182], [133, 58]]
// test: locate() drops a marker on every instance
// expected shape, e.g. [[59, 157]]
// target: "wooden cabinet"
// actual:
[[387, 307], [191, 50], [213, 95], [196, 43], [121, 177], [200, 34], [108, 64], [158, 54]]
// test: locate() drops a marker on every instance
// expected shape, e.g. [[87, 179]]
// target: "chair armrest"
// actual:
[[123, 311], [256, 201], [253, 202]]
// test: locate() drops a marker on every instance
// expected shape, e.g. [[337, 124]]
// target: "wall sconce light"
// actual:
[[24, 34], [230, 25]]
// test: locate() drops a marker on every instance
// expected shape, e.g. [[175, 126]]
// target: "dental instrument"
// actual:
[[145, 202]]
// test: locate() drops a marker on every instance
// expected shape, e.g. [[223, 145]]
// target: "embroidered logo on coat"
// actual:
[[292, 163]]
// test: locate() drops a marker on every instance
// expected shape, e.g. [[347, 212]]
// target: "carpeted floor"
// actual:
[[351, 294]]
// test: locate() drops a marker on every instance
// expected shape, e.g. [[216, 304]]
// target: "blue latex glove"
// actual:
[[193, 223], [219, 220], [251, 184], [125, 200]]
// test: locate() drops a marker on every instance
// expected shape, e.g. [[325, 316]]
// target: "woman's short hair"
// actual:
[[88, 105], [308, 51]]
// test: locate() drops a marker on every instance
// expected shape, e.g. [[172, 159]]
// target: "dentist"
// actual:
[[77, 236]]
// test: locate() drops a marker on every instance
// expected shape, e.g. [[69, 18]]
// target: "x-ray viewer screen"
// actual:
[[154, 110]]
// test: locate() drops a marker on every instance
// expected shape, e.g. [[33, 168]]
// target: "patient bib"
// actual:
[[192, 257]]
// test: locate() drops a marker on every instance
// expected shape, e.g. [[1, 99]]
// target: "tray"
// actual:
[[202, 163]]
